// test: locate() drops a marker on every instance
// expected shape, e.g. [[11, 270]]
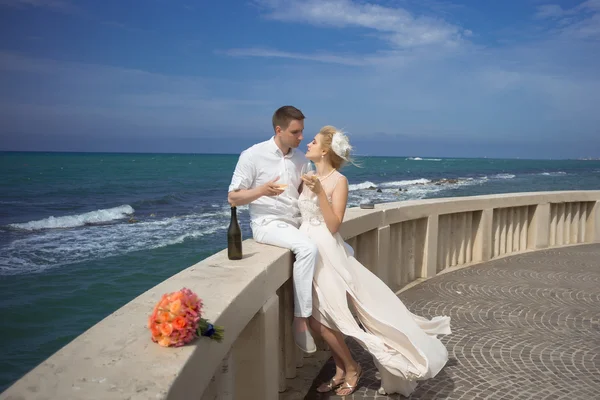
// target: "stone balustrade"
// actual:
[[403, 243]]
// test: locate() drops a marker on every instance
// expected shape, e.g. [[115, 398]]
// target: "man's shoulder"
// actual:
[[254, 149]]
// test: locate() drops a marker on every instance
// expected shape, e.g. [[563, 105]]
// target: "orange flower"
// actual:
[[154, 330], [164, 317], [179, 323], [165, 342], [176, 296], [176, 306], [166, 329]]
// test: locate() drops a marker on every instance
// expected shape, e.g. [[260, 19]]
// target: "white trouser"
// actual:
[[283, 234]]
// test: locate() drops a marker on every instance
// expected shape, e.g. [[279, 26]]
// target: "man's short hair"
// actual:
[[284, 115]]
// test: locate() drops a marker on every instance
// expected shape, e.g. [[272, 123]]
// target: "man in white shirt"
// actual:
[[258, 180]]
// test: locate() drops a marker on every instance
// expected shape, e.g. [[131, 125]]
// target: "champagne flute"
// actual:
[[308, 171], [281, 186]]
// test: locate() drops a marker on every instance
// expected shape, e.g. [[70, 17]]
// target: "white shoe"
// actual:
[[304, 340]]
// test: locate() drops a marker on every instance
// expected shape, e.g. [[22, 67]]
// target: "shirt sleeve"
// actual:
[[244, 173]]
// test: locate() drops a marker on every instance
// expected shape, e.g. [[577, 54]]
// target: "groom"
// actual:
[[259, 178]]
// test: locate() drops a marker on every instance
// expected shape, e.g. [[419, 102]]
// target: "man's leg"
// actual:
[[284, 235]]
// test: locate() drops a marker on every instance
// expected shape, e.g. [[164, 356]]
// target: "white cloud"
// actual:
[[579, 22], [319, 57], [549, 11], [398, 26], [407, 37]]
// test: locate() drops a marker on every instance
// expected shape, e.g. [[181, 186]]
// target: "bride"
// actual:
[[404, 346]]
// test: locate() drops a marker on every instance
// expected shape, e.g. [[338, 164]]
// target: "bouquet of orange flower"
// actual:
[[177, 320]]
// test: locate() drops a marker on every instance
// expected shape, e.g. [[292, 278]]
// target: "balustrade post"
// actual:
[[539, 230], [592, 225], [483, 244], [256, 355], [430, 248], [383, 254]]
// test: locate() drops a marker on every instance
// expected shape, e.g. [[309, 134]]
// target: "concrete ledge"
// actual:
[[116, 359]]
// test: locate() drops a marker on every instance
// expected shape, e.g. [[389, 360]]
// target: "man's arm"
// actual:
[[242, 197], [244, 175]]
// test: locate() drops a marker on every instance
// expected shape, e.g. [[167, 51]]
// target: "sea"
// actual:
[[82, 234]]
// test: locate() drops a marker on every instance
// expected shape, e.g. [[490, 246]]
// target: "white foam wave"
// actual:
[[503, 176], [421, 181], [407, 190], [46, 249], [423, 159], [361, 186], [72, 221], [557, 173]]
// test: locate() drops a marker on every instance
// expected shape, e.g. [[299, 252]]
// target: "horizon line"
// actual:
[[357, 155]]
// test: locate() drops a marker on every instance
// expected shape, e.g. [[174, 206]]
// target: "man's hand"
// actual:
[[245, 196], [272, 189]]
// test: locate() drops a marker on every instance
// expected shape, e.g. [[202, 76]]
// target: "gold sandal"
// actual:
[[332, 384], [347, 386]]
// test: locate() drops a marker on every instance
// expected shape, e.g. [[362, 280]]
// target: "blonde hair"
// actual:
[[337, 161]]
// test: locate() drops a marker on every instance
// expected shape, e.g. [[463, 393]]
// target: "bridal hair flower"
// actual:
[[341, 145], [177, 320]]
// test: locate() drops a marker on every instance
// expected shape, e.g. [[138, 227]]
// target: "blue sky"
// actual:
[[406, 77]]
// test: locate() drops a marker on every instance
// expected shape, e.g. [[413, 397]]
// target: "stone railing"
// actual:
[[402, 243]]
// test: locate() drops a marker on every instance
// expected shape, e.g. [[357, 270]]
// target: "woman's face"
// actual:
[[315, 149]]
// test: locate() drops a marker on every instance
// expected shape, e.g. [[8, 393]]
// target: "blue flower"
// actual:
[[210, 330]]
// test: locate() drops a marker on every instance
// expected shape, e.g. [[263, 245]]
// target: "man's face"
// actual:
[[292, 135]]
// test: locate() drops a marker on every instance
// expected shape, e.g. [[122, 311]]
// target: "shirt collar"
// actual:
[[275, 149]]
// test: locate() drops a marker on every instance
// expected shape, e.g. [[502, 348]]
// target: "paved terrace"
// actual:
[[524, 327]]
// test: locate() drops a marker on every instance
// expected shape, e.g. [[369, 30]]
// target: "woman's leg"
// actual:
[[340, 372], [344, 363], [353, 370]]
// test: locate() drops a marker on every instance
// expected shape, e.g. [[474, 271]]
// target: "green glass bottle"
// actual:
[[234, 237]]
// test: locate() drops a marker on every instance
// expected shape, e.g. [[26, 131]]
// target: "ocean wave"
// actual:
[[409, 182], [73, 221], [423, 159], [361, 186], [504, 176], [557, 173], [47, 249], [368, 185], [406, 189]]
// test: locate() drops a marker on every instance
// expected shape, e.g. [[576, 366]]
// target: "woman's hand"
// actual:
[[313, 183]]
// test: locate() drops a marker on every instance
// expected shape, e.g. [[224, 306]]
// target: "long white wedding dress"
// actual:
[[404, 346]]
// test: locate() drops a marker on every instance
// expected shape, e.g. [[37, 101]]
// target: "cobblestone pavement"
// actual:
[[524, 327]]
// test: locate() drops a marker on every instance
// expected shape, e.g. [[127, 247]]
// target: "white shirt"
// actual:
[[262, 163]]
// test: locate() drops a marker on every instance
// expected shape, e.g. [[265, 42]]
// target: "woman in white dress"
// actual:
[[404, 346]]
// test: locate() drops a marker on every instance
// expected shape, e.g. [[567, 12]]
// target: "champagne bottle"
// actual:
[[234, 237]]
